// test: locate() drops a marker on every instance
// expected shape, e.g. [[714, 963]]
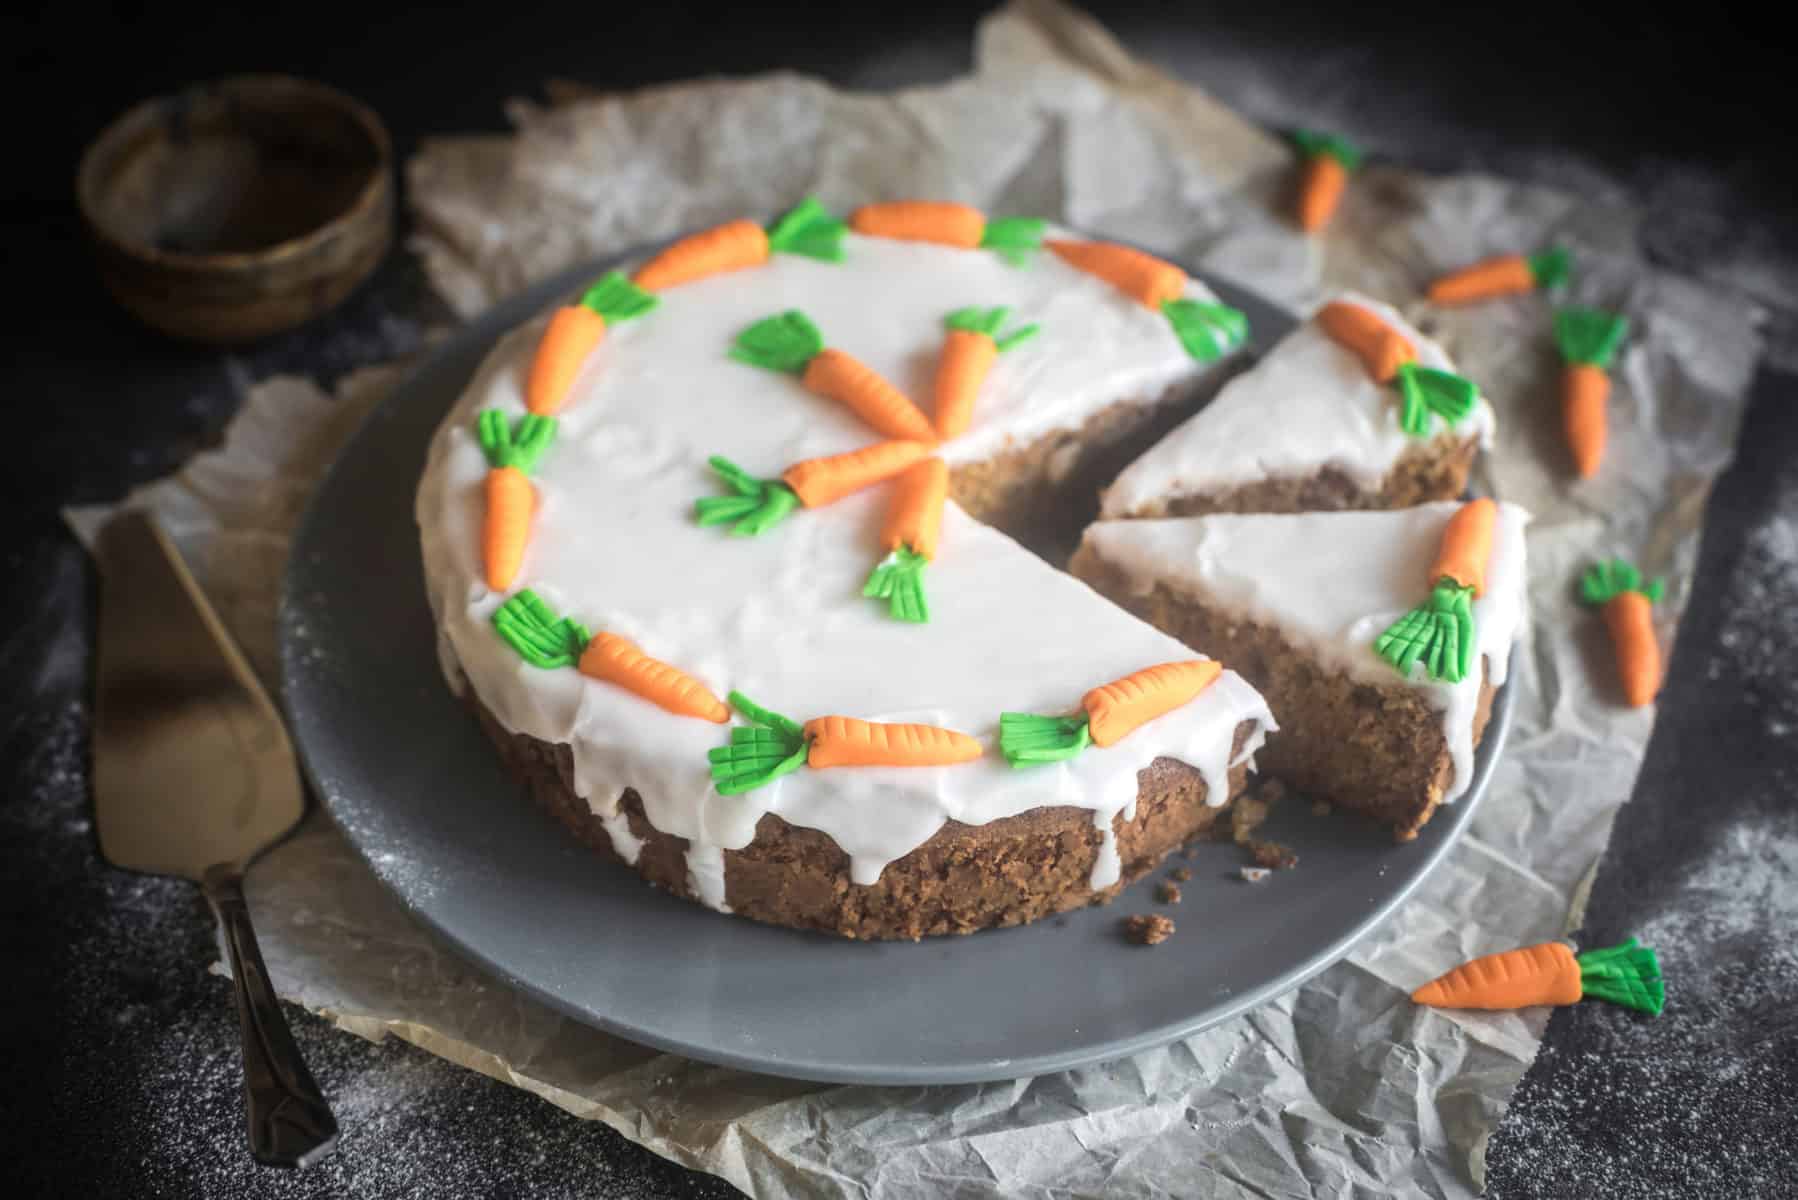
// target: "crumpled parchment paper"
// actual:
[[1341, 1084]]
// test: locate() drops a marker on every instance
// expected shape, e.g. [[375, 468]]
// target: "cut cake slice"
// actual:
[[1307, 428], [1296, 603]]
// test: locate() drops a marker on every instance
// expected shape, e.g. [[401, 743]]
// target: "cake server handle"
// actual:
[[290, 1123]]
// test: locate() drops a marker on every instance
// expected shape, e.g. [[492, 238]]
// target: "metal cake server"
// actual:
[[194, 776]]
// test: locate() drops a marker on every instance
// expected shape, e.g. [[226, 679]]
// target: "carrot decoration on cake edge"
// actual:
[[949, 224], [526, 624], [773, 745], [807, 230], [509, 496], [1110, 713], [1206, 330], [1551, 973], [1617, 589], [1588, 339], [1439, 633], [1389, 356], [1503, 275], [573, 333]]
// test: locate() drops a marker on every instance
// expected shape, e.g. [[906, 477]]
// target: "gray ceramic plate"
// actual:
[[401, 765]]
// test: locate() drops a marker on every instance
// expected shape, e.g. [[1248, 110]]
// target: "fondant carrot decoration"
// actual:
[[1206, 330], [757, 505], [775, 745], [949, 224], [808, 230], [1439, 633], [1551, 973], [1618, 589], [1328, 161], [526, 624], [791, 343], [511, 500], [1110, 713], [573, 333], [1388, 355], [913, 524], [1588, 340], [972, 344], [616, 660], [1504, 275]]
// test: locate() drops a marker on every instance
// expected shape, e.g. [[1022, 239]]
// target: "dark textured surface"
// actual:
[[121, 1054]]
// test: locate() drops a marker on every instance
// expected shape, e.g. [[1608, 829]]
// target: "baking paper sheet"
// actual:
[[1340, 1084]]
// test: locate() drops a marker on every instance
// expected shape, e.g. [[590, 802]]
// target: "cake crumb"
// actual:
[[1147, 930], [1272, 854], [1252, 808], [1168, 893], [1255, 874], [1180, 874]]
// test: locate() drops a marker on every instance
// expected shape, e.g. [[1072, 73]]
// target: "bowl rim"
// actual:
[[373, 194]]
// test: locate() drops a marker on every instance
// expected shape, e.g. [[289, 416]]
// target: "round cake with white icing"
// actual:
[[712, 550]]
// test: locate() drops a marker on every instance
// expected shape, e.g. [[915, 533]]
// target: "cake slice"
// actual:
[[1297, 602], [1309, 428]]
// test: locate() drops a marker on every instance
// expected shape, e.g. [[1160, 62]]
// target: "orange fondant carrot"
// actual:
[[1503, 275], [1361, 331], [1117, 709], [973, 343], [1551, 973], [848, 742], [915, 520], [820, 481], [1467, 545], [573, 333], [617, 661], [1143, 277], [840, 376], [1626, 601], [921, 221], [1328, 161], [1588, 340], [727, 247], [509, 498]]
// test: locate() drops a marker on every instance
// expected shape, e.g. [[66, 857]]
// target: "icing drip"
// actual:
[[618, 827], [1307, 404], [1333, 582], [781, 617]]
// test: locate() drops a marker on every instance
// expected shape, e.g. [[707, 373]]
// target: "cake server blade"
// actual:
[[194, 776]]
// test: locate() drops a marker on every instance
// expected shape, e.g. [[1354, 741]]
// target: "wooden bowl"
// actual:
[[240, 208]]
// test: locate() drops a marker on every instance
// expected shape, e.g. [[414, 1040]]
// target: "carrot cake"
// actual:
[[711, 548], [1378, 638], [1353, 409]]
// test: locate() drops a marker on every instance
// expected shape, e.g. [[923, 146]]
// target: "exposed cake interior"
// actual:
[[1296, 603], [1305, 429]]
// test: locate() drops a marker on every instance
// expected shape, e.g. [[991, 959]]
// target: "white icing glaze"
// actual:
[[1333, 582], [780, 617], [1307, 404]]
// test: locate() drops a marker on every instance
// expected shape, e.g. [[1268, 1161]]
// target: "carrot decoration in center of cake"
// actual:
[[572, 335], [1503, 275], [1388, 355], [1206, 331], [758, 505], [790, 342], [1109, 714], [1551, 973], [973, 342], [1588, 340], [1617, 589], [950, 224], [1328, 161], [542, 639], [913, 524], [774, 745], [511, 499], [808, 230], [1439, 633]]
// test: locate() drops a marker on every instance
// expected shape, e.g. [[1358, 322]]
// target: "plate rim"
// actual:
[[495, 323]]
